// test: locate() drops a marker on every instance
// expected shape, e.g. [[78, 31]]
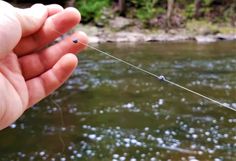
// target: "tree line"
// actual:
[[164, 13], [160, 13]]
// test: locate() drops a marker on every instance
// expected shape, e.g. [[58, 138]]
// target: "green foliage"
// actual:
[[207, 2], [91, 9], [146, 9], [229, 13], [100, 11], [190, 10], [146, 12], [202, 27]]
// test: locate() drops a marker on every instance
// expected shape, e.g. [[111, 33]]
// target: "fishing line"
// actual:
[[62, 124], [159, 77]]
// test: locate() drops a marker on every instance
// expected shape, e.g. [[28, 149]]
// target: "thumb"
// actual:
[[10, 28], [16, 23]]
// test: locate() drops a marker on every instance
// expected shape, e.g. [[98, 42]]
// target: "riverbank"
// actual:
[[201, 32]]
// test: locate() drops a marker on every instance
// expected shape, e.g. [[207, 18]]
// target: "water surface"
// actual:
[[112, 111]]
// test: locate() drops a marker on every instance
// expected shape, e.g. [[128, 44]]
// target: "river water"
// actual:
[[110, 111]]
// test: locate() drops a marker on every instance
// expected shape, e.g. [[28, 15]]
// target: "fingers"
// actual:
[[52, 28], [37, 63], [49, 81], [16, 23], [31, 19]]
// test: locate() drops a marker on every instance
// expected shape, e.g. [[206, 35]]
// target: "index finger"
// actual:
[[53, 27]]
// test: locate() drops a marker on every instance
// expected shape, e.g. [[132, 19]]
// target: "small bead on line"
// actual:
[[75, 40]]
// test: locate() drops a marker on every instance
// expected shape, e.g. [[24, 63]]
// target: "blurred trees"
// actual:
[[197, 7], [168, 13], [157, 13], [122, 7], [170, 8]]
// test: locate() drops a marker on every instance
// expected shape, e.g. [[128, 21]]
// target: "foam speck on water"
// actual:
[[122, 158], [13, 126], [78, 155], [92, 136], [42, 153], [115, 156], [63, 159]]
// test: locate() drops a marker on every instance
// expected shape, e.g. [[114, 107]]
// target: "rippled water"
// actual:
[[113, 112]]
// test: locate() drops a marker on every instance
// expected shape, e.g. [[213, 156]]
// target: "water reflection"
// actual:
[[112, 112]]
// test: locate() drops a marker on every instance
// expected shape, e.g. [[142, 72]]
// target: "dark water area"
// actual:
[[110, 111]]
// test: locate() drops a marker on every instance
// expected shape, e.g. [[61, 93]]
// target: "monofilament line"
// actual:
[[162, 78], [62, 124]]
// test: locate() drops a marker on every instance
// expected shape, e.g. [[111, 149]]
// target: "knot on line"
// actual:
[[161, 78]]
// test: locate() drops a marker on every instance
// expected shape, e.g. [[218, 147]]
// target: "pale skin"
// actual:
[[29, 69]]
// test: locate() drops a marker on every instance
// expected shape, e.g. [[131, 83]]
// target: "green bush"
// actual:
[[91, 9], [207, 2], [146, 9], [189, 11]]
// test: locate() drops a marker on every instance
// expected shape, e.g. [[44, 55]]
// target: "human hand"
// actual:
[[29, 70]]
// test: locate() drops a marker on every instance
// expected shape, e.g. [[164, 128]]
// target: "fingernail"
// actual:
[[83, 33]]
